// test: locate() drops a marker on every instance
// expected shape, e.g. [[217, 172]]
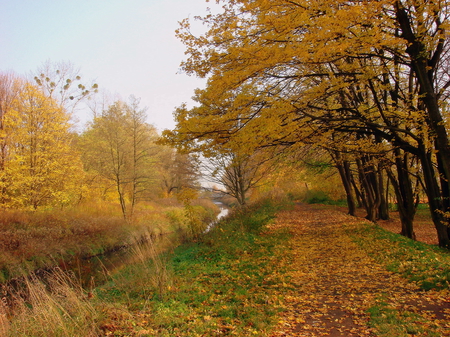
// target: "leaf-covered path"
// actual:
[[333, 284]]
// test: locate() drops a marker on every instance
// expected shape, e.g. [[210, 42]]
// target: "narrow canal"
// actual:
[[96, 270]]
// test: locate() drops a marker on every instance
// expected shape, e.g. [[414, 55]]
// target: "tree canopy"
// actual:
[[358, 78], [40, 167]]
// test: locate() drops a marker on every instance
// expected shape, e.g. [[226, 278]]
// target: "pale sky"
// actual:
[[127, 47]]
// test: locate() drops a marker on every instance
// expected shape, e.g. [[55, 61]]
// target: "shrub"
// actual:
[[319, 197]]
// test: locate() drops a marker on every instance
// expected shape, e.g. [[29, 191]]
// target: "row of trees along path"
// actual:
[[333, 282]]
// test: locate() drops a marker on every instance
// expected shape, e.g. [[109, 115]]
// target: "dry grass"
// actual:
[[29, 241], [55, 304], [56, 307], [157, 275], [33, 240]]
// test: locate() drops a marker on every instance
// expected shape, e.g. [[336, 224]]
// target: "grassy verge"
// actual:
[[389, 321], [39, 239], [426, 265], [225, 283]]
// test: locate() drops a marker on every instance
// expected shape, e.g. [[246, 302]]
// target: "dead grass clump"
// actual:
[[30, 240], [57, 307], [33, 240]]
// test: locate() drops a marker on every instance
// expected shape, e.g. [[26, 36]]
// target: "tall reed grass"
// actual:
[[33, 240], [153, 263], [56, 306]]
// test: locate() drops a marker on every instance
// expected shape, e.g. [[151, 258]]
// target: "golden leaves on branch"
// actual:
[[39, 165]]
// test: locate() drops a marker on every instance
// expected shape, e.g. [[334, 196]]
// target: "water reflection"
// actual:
[[96, 270], [223, 213]]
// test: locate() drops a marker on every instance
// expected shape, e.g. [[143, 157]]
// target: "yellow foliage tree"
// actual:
[[119, 146], [41, 168], [286, 72]]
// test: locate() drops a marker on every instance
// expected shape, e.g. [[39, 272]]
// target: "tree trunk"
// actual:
[[425, 58], [434, 198], [383, 208], [404, 193], [122, 201], [368, 196], [344, 172], [358, 193], [445, 192]]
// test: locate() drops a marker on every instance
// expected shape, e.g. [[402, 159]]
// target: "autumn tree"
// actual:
[[176, 171], [284, 72], [40, 166], [119, 145], [238, 173]]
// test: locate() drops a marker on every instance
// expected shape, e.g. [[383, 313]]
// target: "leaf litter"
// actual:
[[315, 281], [334, 287]]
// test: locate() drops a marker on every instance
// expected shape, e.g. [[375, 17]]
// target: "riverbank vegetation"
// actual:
[[166, 291], [32, 240], [239, 279]]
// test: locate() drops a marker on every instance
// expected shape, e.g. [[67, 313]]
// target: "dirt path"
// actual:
[[333, 282]]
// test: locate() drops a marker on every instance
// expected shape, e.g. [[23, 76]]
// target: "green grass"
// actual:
[[319, 197], [218, 285], [426, 265], [391, 322]]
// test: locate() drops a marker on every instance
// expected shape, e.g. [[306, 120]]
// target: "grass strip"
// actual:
[[223, 284], [389, 321], [426, 265]]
